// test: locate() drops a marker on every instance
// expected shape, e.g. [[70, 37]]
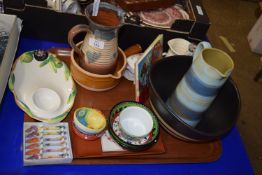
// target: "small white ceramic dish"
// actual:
[[135, 122], [180, 46], [126, 138], [43, 87]]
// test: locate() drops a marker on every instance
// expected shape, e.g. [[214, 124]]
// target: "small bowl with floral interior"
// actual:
[[135, 122], [89, 123], [42, 86], [139, 141]]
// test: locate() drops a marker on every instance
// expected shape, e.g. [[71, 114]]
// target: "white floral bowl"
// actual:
[[42, 86]]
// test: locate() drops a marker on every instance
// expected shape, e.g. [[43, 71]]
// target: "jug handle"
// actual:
[[202, 45], [73, 32]]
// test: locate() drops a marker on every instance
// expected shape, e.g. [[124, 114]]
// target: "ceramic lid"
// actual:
[[89, 120]]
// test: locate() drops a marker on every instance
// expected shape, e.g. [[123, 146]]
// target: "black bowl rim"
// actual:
[[128, 145], [192, 129]]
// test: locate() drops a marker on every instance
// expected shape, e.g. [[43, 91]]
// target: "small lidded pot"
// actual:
[[89, 123], [135, 122]]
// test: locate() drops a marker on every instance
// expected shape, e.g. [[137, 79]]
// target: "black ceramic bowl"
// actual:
[[217, 121]]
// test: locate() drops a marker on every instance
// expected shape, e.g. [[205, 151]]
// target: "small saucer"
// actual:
[[135, 144]]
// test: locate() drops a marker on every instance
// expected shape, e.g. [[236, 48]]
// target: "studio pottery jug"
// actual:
[[200, 85], [99, 51]]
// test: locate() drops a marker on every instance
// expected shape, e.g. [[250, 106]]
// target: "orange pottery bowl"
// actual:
[[97, 82]]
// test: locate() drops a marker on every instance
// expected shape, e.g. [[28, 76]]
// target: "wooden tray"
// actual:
[[167, 150]]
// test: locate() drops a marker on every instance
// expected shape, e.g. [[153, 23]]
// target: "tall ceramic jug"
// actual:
[[99, 50], [197, 89]]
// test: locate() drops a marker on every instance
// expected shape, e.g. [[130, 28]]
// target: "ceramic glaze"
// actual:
[[99, 51], [96, 82], [44, 88], [199, 86], [215, 122], [106, 17], [89, 121], [46, 99], [128, 142], [180, 46], [126, 138], [136, 122]]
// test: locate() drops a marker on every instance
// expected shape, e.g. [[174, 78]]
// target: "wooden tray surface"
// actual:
[[168, 149]]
